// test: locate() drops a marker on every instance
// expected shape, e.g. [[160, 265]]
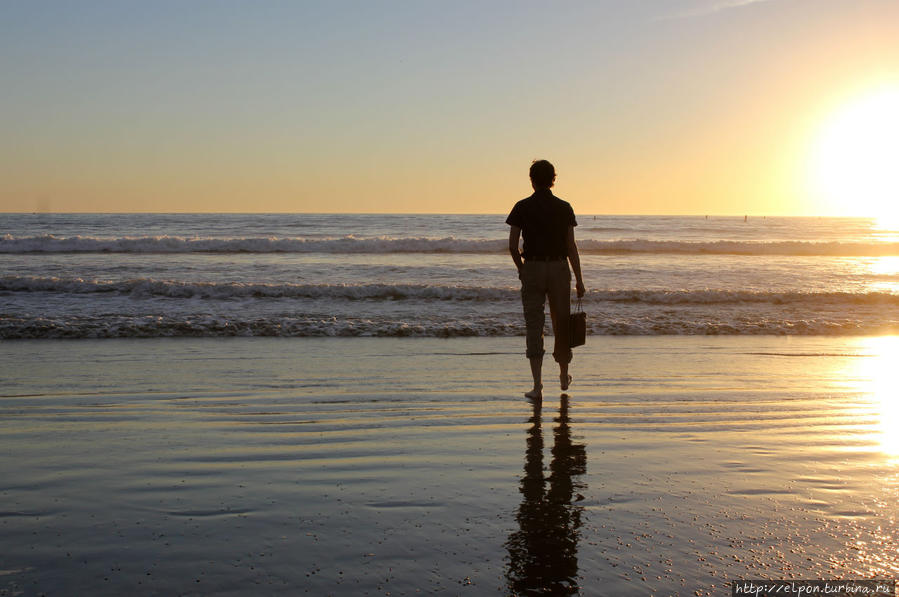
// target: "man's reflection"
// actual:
[[543, 552]]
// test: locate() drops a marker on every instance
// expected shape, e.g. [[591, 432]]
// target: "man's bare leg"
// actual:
[[537, 374], [564, 378]]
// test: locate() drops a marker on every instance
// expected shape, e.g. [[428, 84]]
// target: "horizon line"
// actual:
[[434, 213]]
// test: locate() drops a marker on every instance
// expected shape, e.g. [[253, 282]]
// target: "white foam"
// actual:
[[148, 287], [199, 325], [385, 244]]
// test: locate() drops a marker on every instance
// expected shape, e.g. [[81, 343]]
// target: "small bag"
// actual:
[[577, 327]]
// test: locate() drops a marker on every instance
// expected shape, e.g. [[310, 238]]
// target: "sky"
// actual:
[[645, 107]]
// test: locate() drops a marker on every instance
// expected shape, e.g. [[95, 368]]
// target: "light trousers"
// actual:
[[542, 280]]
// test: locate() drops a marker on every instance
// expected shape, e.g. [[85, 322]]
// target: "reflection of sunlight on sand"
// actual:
[[867, 517], [878, 378]]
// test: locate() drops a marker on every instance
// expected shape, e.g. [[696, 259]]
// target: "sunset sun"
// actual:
[[853, 167]]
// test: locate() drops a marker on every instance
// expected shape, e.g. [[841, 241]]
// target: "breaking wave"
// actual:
[[354, 244], [151, 288], [206, 325]]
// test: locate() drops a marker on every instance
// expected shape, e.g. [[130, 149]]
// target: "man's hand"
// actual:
[[581, 291]]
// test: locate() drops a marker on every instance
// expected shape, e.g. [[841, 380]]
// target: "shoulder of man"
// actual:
[[515, 217], [561, 203], [569, 211]]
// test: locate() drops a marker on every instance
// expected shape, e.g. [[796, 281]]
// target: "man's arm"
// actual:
[[514, 236], [575, 260]]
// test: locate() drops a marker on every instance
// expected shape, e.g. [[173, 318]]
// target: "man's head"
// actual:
[[543, 174]]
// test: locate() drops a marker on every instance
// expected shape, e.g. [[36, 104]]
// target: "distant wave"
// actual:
[[353, 244], [151, 288], [727, 247], [177, 244]]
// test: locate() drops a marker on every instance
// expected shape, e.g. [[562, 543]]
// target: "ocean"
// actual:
[[317, 275]]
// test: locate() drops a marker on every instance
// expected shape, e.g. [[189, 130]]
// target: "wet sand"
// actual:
[[407, 466]]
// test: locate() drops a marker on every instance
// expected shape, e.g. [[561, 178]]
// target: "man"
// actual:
[[547, 224]]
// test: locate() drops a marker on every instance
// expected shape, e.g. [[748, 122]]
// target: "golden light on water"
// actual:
[[886, 265], [853, 168], [883, 273]]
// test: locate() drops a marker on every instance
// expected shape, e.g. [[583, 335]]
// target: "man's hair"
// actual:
[[543, 174]]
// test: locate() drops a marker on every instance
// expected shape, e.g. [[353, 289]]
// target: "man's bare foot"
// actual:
[[565, 381], [536, 393]]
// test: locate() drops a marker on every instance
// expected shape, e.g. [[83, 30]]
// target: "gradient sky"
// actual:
[[649, 106]]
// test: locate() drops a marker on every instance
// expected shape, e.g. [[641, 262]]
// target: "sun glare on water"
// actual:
[[878, 378], [854, 167]]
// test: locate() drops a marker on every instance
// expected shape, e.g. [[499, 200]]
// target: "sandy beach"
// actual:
[[387, 466]]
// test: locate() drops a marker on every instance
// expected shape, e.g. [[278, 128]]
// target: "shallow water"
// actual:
[[366, 466]]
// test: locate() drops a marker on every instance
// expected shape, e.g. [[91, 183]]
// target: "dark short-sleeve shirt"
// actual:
[[544, 220]]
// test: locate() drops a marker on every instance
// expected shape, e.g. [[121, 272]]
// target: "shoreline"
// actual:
[[361, 466]]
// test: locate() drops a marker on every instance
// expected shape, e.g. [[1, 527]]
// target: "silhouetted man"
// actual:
[[547, 224]]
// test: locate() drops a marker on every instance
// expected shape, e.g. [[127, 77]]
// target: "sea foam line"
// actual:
[[352, 244], [179, 244], [199, 325]]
